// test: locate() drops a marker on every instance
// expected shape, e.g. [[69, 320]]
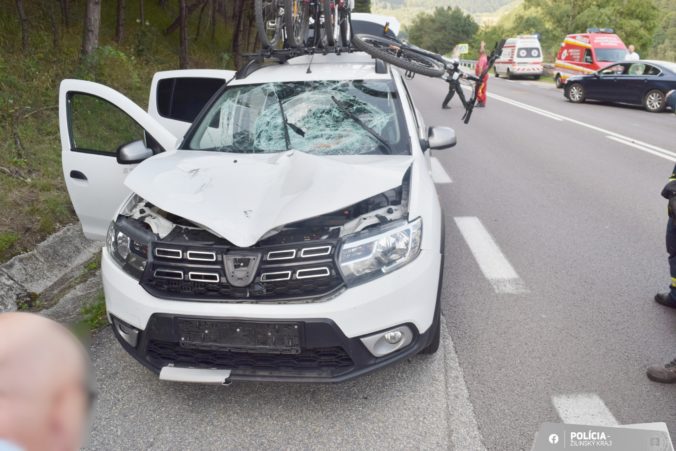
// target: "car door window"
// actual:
[[636, 69], [651, 70], [182, 99], [98, 126], [615, 69], [588, 58]]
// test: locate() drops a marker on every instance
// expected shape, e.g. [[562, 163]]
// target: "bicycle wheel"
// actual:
[[398, 55], [269, 22], [297, 19], [329, 11]]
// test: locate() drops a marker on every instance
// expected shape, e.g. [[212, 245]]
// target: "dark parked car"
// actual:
[[644, 83]]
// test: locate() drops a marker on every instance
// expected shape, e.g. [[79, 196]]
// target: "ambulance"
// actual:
[[586, 53], [521, 57]]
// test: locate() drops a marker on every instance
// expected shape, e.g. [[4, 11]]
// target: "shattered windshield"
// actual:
[[320, 117]]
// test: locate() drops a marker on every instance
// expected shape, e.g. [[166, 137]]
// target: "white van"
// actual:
[[521, 57]]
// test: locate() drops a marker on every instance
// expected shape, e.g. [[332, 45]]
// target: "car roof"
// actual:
[[666, 64], [346, 66]]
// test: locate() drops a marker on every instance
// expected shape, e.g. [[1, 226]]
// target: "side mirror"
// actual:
[[441, 138], [133, 152]]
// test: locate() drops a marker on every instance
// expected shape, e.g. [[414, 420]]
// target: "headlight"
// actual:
[[128, 247], [374, 252]]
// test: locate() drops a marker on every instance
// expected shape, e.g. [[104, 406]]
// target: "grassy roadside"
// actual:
[[33, 198]]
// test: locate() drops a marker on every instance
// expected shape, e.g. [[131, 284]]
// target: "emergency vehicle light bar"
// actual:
[[600, 30]]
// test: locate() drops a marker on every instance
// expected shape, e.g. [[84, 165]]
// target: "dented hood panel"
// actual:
[[241, 197]]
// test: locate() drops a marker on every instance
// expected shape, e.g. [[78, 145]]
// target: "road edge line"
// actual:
[[462, 423]]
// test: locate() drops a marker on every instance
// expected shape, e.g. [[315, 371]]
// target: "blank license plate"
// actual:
[[282, 338]]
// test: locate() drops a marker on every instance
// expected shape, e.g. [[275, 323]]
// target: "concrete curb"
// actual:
[[29, 275], [67, 310]]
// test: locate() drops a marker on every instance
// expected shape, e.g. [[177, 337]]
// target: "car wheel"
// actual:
[[655, 101], [557, 80], [497, 75], [576, 93], [536, 77], [435, 339], [509, 74]]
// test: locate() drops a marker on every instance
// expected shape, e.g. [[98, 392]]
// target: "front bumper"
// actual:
[[327, 354], [528, 70], [333, 328]]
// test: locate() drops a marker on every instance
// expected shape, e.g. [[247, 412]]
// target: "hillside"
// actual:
[[33, 197], [484, 11]]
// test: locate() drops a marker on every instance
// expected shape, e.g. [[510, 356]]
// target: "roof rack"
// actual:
[[268, 57]]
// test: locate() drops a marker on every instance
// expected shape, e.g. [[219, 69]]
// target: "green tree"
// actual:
[[664, 40], [362, 6], [635, 21], [442, 29]]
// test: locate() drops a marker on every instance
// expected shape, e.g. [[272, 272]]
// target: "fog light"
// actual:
[[127, 332], [384, 343], [393, 337]]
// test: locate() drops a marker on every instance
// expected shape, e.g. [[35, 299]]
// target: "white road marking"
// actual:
[[667, 156], [439, 174], [462, 422], [646, 147], [530, 108], [583, 408], [524, 106], [492, 262]]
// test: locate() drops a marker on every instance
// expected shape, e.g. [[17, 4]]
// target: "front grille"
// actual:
[[285, 273], [320, 361]]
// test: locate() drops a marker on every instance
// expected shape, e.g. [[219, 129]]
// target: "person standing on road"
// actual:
[[481, 66], [667, 373], [632, 55], [453, 84], [45, 395]]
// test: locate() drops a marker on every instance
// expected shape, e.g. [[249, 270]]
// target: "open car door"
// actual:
[[178, 96], [100, 130]]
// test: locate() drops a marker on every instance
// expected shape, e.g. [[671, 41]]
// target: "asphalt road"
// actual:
[[579, 217], [567, 197]]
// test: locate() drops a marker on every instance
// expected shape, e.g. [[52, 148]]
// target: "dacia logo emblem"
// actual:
[[241, 267]]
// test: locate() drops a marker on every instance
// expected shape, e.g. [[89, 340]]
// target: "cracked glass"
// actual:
[[320, 118]]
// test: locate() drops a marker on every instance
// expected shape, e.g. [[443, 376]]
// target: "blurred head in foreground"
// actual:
[[44, 385]]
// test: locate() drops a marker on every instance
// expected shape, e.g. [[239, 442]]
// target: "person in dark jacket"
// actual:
[[454, 76], [667, 373]]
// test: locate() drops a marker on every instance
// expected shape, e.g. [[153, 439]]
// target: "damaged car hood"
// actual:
[[240, 197]]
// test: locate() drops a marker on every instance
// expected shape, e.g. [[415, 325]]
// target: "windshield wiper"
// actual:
[[361, 123], [288, 125]]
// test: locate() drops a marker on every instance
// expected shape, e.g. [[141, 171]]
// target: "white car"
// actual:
[[282, 226]]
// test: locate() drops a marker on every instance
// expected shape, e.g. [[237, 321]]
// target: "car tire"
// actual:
[[435, 328], [536, 77], [435, 340], [655, 101], [575, 93], [497, 75], [558, 82], [509, 74]]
